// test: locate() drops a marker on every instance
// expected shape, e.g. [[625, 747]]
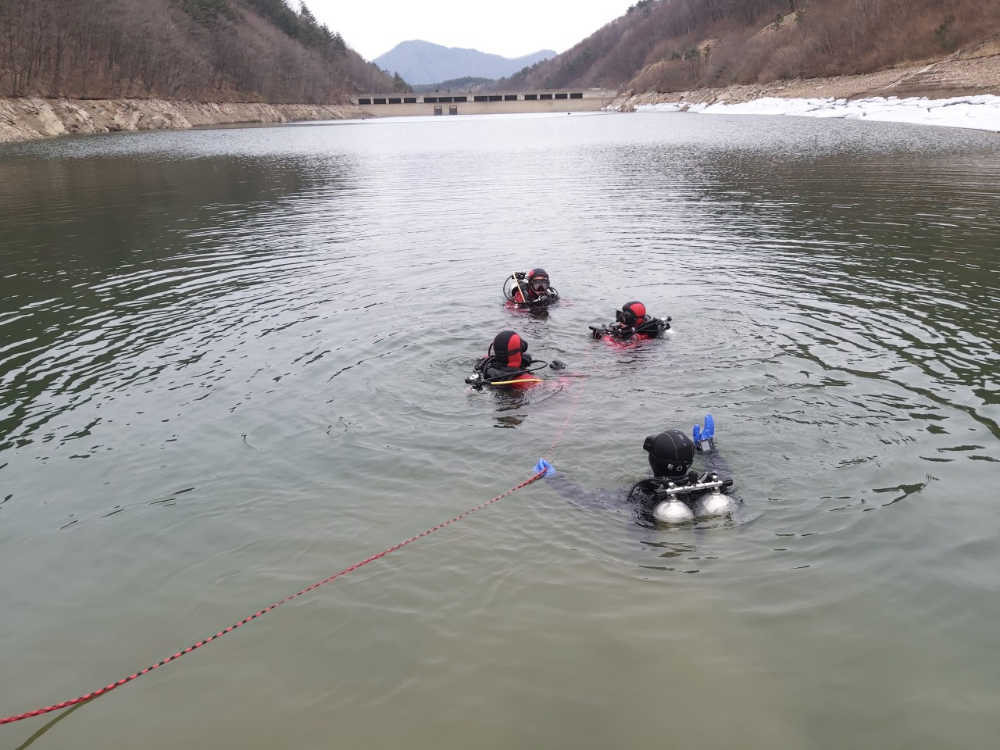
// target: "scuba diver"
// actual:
[[507, 363], [529, 290], [632, 324], [674, 494]]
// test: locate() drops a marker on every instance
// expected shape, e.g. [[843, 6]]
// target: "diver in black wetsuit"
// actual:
[[674, 494]]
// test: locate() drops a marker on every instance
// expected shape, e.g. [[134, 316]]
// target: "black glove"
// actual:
[[598, 331]]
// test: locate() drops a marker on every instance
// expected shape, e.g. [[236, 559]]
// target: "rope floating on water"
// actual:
[[174, 657]]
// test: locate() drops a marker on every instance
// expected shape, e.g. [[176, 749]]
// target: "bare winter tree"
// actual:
[[193, 49], [656, 48]]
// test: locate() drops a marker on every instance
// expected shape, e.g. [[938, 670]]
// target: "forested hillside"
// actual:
[[674, 45], [208, 50]]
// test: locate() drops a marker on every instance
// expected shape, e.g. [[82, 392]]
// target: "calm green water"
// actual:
[[232, 363]]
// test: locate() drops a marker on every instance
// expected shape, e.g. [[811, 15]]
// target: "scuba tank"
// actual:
[[686, 498], [673, 510], [714, 503]]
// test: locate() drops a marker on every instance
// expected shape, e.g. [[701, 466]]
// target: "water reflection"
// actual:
[[104, 279], [231, 360]]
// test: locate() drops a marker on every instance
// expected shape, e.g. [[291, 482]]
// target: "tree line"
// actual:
[[206, 50], [672, 45]]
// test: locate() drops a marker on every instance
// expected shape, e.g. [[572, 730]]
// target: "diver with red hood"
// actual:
[[632, 323], [507, 363], [529, 290]]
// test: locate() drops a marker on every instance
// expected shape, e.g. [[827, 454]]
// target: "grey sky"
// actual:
[[511, 28]]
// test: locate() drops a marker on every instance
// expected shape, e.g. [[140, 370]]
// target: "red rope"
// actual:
[[231, 628], [555, 440], [125, 680]]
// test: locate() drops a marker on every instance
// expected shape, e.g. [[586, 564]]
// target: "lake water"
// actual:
[[232, 363]]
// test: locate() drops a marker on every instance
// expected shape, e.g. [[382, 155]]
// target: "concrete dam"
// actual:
[[511, 102]]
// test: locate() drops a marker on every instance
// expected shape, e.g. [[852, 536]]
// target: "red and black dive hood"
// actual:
[[632, 314], [507, 349]]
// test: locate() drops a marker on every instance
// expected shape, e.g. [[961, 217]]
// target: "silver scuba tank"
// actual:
[[714, 504], [673, 510]]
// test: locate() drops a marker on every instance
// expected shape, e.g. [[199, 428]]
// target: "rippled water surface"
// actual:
[[232, 363]]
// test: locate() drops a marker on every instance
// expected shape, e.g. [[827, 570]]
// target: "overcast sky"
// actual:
[[511, 28]]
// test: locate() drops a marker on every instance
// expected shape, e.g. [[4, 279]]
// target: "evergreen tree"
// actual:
[[399, 85]]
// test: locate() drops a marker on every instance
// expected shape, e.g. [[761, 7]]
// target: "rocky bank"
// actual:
[[976, 72], [30, 119]]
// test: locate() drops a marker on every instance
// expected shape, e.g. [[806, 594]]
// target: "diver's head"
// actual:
[[632, 314], [538, 282], [507, 349], [670, 453]]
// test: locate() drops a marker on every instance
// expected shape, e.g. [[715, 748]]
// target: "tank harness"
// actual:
[[687, 487]]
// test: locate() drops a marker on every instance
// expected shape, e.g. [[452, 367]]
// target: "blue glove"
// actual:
[[545, 467], [709, 432], [697, 434]]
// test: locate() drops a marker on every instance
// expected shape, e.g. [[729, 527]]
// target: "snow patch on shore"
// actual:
[[980, 112]]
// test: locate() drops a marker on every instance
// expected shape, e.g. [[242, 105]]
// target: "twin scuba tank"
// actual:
[[681, 502], [680, 495]]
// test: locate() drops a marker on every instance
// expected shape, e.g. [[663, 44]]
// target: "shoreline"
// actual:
[[29, 119], [975, 75], [979, 112]]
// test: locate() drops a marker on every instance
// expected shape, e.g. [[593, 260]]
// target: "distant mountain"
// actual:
[[423, 62]]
